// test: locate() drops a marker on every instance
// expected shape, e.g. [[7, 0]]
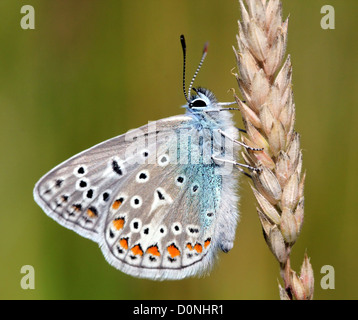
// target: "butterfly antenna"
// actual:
[[205, 51], [183, 45]]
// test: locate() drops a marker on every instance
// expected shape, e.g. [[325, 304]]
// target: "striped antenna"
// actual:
[[205, 51]]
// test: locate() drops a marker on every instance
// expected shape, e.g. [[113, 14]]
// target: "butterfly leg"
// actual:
[[222, 104], [239, 142], [238, 165]]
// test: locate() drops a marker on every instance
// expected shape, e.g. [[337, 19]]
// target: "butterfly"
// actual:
[[161, 199]]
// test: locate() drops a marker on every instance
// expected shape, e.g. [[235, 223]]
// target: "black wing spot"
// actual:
[[58, 183], [83, 184], [116, 168], [81, 170], [160, 195], [180, 179], [193, 230], [105, 196], [89, 194], [142, 176]]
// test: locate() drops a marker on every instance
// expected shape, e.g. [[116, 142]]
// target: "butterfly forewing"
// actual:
[[78, 192]]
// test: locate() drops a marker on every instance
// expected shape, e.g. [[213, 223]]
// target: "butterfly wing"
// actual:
[[152, 216], [172, 217], [77, 193]]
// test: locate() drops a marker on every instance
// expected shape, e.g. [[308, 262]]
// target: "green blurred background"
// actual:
[[92, 70]]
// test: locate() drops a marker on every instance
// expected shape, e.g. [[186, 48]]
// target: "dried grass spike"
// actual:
[[269, 118]]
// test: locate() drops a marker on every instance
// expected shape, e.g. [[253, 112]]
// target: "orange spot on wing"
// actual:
[[154, 251], [173, 250], [207, 242], [137, 250], [118, 223], [116, 204], [124, 243], [189, 246], [198, 247], [77, 207], [91, 213]]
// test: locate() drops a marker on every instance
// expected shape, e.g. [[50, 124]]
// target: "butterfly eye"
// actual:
[[198, 103]]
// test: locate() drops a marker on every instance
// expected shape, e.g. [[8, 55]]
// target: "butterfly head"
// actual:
[[203, 99], [203, 106]]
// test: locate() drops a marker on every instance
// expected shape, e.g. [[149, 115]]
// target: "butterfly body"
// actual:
[[154, 199]]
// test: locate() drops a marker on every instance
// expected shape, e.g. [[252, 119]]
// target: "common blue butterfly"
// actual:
[[159, 200]]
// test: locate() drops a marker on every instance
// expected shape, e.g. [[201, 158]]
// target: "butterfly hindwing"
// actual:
[[168, 222]]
